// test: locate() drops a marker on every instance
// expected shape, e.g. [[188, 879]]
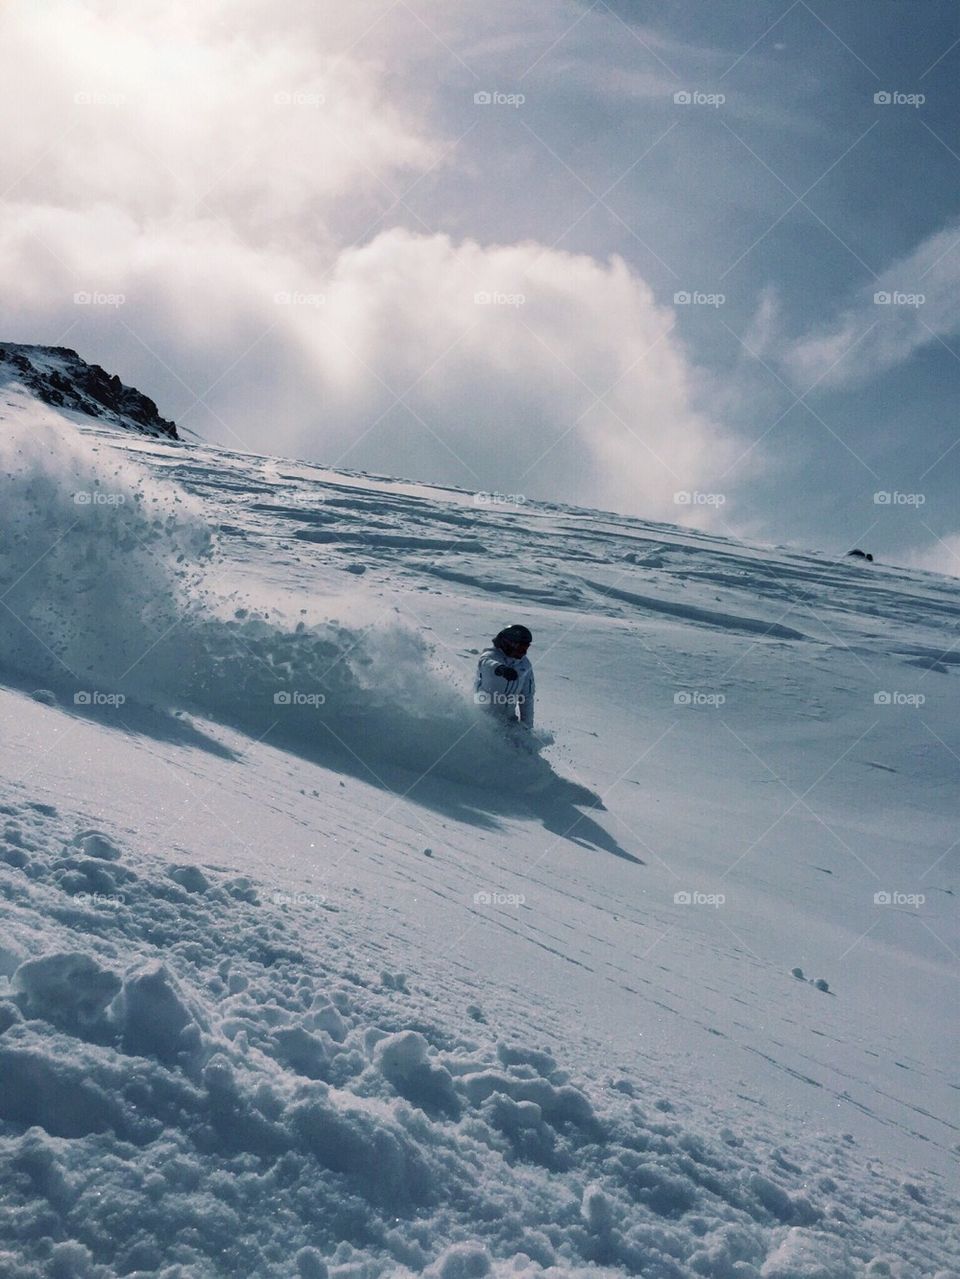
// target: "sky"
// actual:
[[696, 261]]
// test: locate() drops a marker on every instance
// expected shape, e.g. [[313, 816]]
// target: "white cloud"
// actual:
[[914, 302], [764, 329], [188, 186], [564, 378], [210, 111]]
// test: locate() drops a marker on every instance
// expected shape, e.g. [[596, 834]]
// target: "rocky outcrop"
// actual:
[[58, 376]]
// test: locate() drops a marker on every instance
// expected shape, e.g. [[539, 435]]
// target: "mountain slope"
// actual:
[[359, 986]]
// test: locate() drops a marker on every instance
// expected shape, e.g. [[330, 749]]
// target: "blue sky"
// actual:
[[328, 245]]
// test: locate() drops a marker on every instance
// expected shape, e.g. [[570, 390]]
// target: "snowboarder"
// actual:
[[505, 683]]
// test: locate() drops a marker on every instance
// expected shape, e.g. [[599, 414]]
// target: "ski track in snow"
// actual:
[[475, 1032]]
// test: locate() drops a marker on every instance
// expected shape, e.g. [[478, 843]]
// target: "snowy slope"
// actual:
[[339, 980]]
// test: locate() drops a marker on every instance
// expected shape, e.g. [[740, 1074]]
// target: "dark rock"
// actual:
[[84, 388]]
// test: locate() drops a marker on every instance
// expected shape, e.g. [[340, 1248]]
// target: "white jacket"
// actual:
[[502, 696]]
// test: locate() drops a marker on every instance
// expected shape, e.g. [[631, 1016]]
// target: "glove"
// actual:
[[505, 672]]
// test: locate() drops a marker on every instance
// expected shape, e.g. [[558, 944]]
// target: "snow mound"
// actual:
[[807, 1254], [70, 990]]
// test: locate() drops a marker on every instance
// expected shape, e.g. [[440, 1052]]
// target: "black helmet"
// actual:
[[515, 635]]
